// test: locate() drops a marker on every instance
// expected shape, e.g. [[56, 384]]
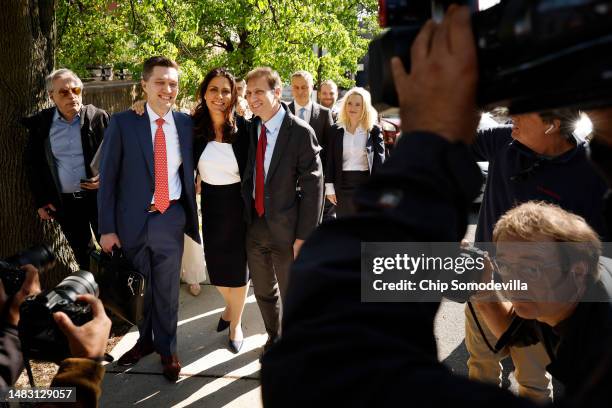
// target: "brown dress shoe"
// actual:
[[172, 367], [135, 354]]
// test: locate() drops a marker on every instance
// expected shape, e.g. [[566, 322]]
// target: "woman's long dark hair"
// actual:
[[203, 124]]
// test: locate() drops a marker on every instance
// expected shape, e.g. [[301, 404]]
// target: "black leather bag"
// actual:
[[122, 287]]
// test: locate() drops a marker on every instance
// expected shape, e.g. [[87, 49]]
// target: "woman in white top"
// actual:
[[221, 148], [355, 150]]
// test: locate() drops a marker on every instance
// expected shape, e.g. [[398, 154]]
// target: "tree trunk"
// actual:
[[27, 46]]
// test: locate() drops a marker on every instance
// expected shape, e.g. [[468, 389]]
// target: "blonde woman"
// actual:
[[355, 150]]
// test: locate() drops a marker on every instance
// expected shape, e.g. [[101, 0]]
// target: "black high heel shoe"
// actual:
[[223, 324], [234, 345]]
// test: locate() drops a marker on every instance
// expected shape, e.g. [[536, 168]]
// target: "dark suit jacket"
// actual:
[[295, 158], [240, 146], [127, 181], [374, 145], [320, 121], [39, 160]]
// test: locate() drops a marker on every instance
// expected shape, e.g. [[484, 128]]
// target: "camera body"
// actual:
[[40, 337], [529, 52], [41, 256]]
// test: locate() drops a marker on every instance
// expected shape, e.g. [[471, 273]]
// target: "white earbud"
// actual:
[[549, 129]]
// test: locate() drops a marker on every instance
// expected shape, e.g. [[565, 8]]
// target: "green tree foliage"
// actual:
[[201, 34]]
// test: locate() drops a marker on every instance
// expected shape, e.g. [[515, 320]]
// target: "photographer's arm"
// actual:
[[11, 360], [87, 346], [497, 316]]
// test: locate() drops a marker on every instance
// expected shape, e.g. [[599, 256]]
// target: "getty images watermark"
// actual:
[[525, 271]]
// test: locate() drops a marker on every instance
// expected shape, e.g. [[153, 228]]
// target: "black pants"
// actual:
[[78, 216]]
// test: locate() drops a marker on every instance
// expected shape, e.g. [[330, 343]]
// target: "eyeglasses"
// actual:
[[65, 92], [516, 270]]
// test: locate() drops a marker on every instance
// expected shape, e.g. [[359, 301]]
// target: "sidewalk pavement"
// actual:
[[214, 377], [211, 376]]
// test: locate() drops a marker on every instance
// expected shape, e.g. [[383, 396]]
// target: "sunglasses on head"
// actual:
[[65, 92]]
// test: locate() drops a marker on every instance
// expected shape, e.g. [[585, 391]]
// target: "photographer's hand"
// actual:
[[31, 286], [90, 339], [439, 93]]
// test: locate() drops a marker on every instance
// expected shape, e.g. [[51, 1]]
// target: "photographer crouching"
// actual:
[[86, 342], [566, 306]]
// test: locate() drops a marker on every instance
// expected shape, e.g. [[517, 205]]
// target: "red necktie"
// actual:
[[161, 195], [259, 171]]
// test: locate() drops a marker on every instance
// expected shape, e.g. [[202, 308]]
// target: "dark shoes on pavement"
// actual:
[[172, 367], [235, 345], [223, 324], [135, 354], [171, 364]]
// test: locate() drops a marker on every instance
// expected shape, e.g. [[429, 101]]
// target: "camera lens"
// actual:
[[79, 283], [41, 256]]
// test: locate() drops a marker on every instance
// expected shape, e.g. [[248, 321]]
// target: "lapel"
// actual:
[[252, 148], [47, 121], [314, 114], [145, 138], [183, 131], [340, 146], [292, 107], [281, 143]]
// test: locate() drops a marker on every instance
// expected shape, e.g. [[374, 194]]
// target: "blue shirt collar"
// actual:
[[275, 122], [57, 116]]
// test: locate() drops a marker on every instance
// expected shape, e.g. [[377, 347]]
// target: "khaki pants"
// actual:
[[484, 365]]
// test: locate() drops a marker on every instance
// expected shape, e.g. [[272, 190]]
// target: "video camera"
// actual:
[[533, 55], [40, 336], [13, 277]]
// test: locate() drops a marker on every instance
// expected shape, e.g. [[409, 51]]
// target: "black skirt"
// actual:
[[224, 232], [351, 180]]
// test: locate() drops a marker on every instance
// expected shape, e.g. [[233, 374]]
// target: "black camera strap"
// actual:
[[482, 333], [28, 367]]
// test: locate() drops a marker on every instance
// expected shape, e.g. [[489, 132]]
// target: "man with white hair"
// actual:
[[63, 141]]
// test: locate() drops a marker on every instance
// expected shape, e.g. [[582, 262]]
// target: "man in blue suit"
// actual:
[[147, 201]]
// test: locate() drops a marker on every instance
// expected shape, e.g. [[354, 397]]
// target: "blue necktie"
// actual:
[[302, 113]]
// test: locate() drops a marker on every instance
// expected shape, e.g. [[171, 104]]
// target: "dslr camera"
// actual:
[[41, 338], [13, 277], [533, 55]]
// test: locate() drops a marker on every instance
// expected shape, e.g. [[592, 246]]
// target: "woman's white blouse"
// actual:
[[354, 155], [218, 164]]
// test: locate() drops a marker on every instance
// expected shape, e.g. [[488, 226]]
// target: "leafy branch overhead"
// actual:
[[201, 34]]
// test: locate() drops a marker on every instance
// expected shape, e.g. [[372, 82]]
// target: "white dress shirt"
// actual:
[[354, 154], [173, 151], [307, 110], [218, 164], [273, 126]]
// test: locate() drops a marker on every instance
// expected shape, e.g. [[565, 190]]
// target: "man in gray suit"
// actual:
[[284, 152]]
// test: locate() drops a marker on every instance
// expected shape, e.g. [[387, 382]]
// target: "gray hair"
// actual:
[[306, 75], [60, 73]]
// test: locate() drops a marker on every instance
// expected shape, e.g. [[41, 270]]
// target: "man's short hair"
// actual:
[[534, 218], [271, 76], [61, 73], [157, 61], [306, 75], [329, 83]]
